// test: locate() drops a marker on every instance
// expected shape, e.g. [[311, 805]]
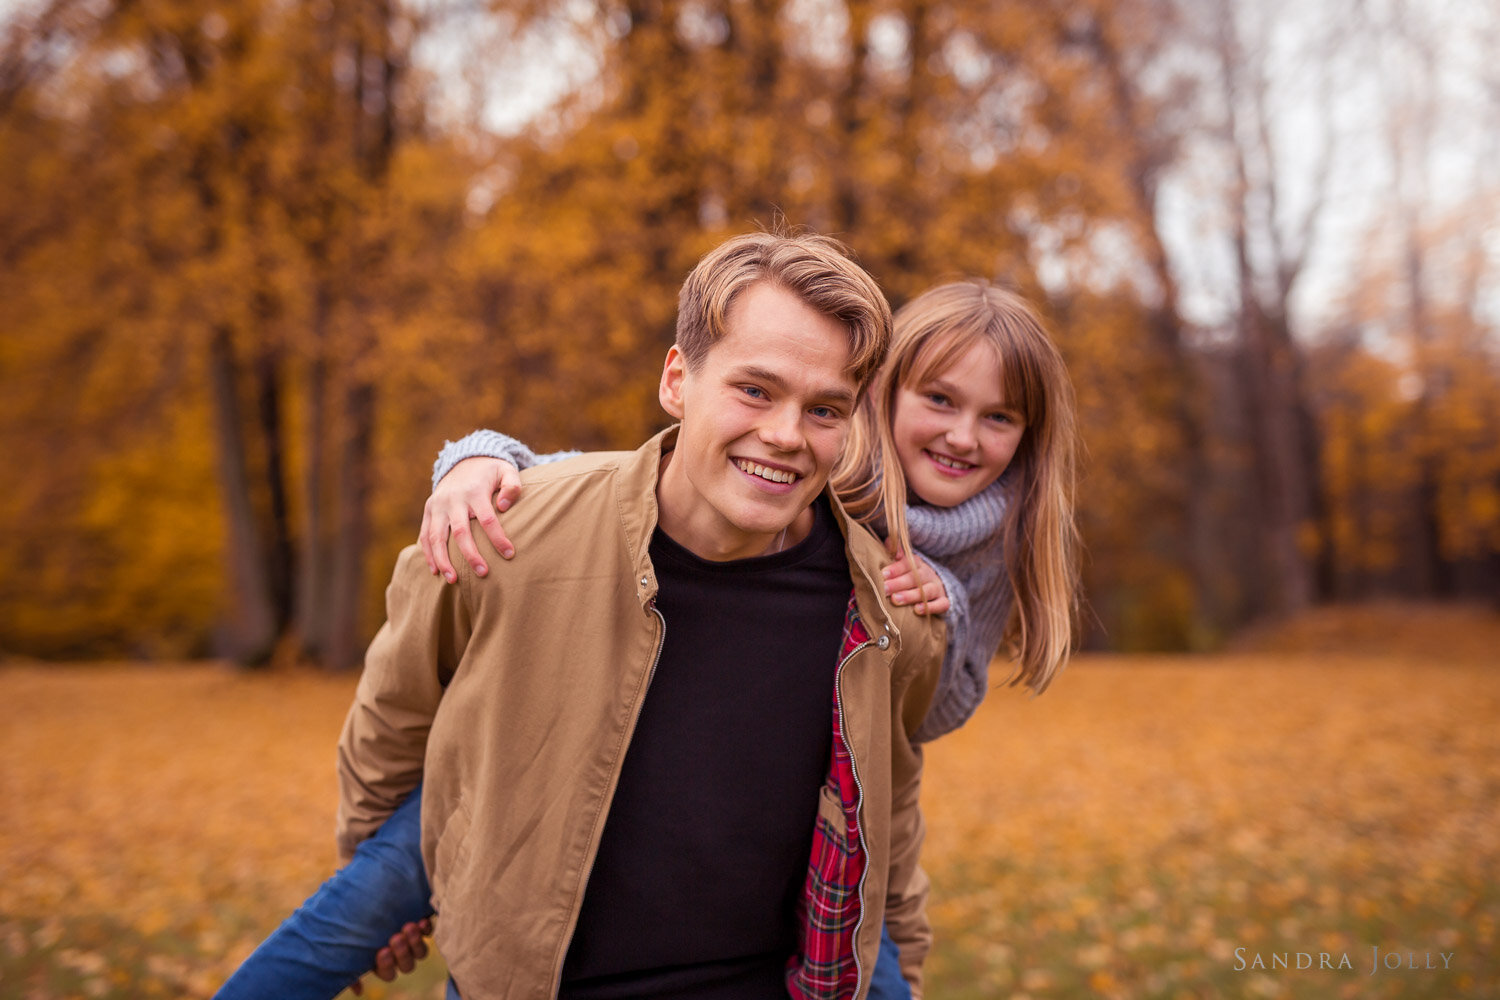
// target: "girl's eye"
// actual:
[[937, 399], [1002, 418]]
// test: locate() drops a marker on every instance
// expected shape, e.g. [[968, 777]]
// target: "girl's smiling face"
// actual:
[[954, 434]]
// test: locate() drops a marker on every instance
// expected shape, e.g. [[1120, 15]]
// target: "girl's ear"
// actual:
[[673, 373]]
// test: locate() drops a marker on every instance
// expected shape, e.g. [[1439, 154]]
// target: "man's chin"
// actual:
[[773, 524]]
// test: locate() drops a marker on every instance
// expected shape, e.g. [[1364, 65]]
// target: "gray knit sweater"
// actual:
[[962, 544]]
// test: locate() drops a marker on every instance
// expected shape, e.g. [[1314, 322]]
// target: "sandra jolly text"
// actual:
[[1390, 961]]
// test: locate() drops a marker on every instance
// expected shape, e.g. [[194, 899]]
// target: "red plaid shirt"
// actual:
[[833, 896]]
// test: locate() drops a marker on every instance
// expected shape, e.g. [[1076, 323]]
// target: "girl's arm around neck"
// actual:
[[488, 484], [490, 444], [979, 604]]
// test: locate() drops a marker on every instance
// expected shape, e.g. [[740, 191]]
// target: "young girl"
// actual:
[[972, 412]]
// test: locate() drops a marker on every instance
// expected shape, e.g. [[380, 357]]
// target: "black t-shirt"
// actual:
[[704, 852]]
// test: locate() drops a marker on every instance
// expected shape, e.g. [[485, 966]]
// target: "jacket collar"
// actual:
[[637, 502], [866, 554], [635, 498]]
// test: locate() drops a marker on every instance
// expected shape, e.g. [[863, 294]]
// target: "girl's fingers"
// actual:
[[510, 487], [402, 949], [913, 582], [907, 595], [474, 488], [490, 525], [897, 568], [484, 500], [458, 524], [928, 595], [413, 934], [385, 964], [902, 589], [937, 597], [434, 541], [934, 605], [422, 537]]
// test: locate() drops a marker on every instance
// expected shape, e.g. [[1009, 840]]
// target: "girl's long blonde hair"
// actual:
[[1040, 546]]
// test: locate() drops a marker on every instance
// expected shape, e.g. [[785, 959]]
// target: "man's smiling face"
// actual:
[[763, 420]]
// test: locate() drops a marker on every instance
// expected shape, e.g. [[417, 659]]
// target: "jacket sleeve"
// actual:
[[408, 664], [490, 444]]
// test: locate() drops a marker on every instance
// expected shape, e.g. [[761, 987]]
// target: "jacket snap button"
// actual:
[[883, 641]]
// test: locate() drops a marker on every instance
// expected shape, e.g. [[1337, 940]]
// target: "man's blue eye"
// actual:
[[754, 392]]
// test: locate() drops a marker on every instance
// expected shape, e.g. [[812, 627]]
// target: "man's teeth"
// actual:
[[951, 463], [774, 475]]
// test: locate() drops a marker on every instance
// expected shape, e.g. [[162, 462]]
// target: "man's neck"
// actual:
[[703, 531]]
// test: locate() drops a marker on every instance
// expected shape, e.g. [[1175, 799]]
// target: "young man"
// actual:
[[664, 750]]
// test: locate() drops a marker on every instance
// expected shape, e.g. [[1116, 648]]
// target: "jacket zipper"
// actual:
[[859, 790], [661, 642]]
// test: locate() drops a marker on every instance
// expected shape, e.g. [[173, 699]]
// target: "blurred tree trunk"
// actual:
[[1434, 570], [1269, 259], [1149, 133], [346, 579], [372, 107], [1411, 111], [312, 589], [850, 118], [252, 614], [251, 547], [266, 313], [278, 557], [319, 197]]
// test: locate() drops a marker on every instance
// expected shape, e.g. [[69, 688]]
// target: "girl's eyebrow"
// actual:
[[939, 381], [942, 385], [952, 390]]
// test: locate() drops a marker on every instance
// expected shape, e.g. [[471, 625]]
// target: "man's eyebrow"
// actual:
[[833, 394]]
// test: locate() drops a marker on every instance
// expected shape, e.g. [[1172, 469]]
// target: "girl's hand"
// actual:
[[475, 487], [402, 953], [910, 581]]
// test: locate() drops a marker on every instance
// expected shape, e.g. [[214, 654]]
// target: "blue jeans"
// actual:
[[887, 983], [332, 938]]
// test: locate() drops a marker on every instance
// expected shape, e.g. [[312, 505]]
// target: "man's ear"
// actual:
[[672, 374]]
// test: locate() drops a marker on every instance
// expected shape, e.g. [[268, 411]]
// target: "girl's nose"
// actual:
[[961, 435]]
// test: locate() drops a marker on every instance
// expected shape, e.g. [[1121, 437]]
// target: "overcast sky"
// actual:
[[487, 75]]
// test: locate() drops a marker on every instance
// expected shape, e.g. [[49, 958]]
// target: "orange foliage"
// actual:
[[252, 278], [1124, 833], [1127, 832]]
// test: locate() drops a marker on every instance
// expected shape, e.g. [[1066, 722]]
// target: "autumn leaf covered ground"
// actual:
[[1148, 828]]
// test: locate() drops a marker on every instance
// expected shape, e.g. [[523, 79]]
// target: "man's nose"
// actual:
[[782, 429]]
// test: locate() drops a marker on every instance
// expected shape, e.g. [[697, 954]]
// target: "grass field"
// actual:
[[1159, 827]]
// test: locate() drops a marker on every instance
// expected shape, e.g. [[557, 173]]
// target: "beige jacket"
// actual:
[[517, 693]]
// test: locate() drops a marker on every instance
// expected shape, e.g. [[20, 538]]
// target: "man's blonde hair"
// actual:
[[817, 269]]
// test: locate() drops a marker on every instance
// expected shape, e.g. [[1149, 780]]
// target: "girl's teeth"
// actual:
[[951, 463]]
